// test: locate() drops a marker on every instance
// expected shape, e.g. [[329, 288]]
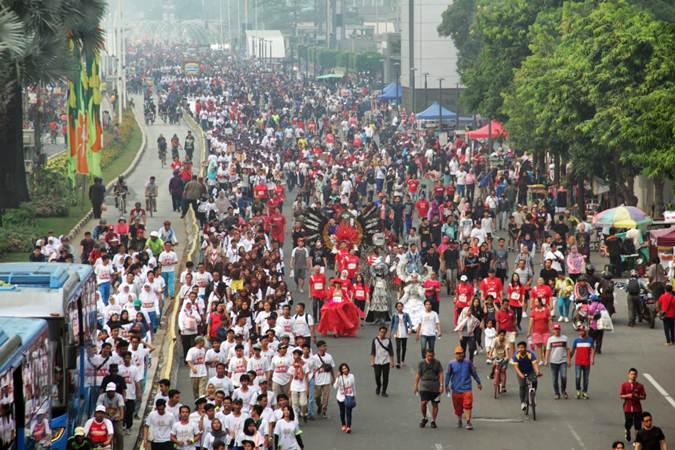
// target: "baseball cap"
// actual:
[[79, 431], [110, 387], [100, 408], [556, 326], [154, 234], [464, 278], [459, 349]]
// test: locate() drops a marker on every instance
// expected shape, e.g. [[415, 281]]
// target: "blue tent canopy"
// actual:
[[392, 91], [432, 113]]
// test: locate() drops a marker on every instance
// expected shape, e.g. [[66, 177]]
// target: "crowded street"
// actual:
[[302, 261]]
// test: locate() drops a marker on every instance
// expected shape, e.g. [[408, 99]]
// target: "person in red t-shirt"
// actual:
[[260, 191], [506, 320], [350, 263], [439, 191], [317, 290], [422, 206], [632, 393], [413, 184], [463, 295], [432, 291], [666, 306], [360, 292], [491, 285], [277, 225], [543, 291], [340, 256], [515, 292]]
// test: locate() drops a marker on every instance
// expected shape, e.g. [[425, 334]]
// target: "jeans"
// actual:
[[408, 223], [381, 377], [427, 342], [451, 279], [345, 414], [169, 281], [669, 329], [582, 373], [564, 306], [176, 200], [310, 398], [597, 336], [154, 322], [104, 289], [188, 341], [401, 346], [559, 375], [470, 342], [519, 315], [522, 385], [317, 304], [299, 403], [633, 302]]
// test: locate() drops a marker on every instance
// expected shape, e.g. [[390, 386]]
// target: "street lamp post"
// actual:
[[412, 88], [426, 95], [440, 101], [398, 83], [457, 112]]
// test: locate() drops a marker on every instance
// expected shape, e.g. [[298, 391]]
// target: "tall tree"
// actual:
[[33, 51]]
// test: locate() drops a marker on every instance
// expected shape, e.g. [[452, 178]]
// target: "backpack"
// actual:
[[633, 287]]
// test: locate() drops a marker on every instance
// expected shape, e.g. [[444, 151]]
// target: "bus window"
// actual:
[[7, 418], [37, 382]]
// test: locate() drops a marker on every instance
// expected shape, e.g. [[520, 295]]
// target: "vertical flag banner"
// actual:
[[82, 128], [93, 111], [74, 93]]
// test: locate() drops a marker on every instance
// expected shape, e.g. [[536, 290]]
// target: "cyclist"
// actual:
[[175, 145], [161, 146], [525, 364], [151, 191], [120, 190], [189, 145], [137, 213], [499, 354]]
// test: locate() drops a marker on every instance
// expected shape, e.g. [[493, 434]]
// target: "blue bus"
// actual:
[[65, 296], [25, 384]]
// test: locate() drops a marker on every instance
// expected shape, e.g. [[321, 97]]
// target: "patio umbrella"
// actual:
[[621, 217]]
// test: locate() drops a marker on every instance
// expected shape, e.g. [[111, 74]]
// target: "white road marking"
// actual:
[[659, 388], [576, 436], [438, 446]]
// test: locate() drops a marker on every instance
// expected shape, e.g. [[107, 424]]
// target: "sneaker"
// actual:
[[565, 396], [423, 423], [578, 395], [503, 389], [541, 363], [433, 424], [491, 375], [567, 319], [384, 394], [628, 435], [469, 426], [398, 366], [459, 423], [349, 430], [344, 428], [324, 415], [377, 391], [523, 406], [585, 396], [524, 314], [556, 397], [561, 318], [488, 361]]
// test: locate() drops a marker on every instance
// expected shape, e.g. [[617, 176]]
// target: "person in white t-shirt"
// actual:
[[158, 426], [185, 434], [429, 328], [196, 360], [214, 355], [303, 323], [221, 381], [281, 379], [104, 272], [168, 260], [237, 365], [132, 377], [299, 371]]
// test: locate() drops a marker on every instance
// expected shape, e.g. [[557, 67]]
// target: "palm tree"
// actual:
[[34, 50]]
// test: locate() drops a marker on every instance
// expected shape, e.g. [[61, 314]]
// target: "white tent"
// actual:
[[265, 44]]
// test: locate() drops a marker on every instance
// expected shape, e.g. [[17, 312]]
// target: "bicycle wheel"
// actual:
[[532, 403]]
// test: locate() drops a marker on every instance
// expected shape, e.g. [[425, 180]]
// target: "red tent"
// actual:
[[483, 132], [665, 237]]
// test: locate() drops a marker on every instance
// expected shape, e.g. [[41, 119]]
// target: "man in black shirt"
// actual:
[[451, 265], [114, 377], [548, 273], [432, 259], [318, 255], [425, 235], [398, 207], [650, 437], [435, 229]]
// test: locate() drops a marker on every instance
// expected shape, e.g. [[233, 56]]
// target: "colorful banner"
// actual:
[[74, 94], [93, 103]]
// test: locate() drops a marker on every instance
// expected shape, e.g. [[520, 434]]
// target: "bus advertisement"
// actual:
[[65, 296]]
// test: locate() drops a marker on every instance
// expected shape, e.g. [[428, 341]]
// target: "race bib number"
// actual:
[[318, 286], [360, 293]]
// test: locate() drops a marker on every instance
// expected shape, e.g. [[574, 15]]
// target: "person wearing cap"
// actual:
[[99, 429], [79, 440], [299, 385], [557, 353], [583, 353], [112, 404], [524, 362], [155, 244], [463, 295], [458, 377], [281, 378]]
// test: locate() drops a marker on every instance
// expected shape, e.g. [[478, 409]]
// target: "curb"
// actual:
[[141, 151]]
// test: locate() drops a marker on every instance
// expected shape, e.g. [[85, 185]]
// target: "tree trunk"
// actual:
[[582, 197], [658, 197], [556, 169], [13, 187]]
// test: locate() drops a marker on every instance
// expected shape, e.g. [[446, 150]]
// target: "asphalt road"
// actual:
[[393, 422]]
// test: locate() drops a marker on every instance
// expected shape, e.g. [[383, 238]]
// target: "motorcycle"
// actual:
[[647, 308]]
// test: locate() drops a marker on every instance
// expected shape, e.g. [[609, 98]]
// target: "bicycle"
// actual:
[[121, 202], [530, 402], [162, 156], [498, 376], [150, 204]]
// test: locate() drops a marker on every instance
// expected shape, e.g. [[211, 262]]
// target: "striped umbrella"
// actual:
[[621, 217]]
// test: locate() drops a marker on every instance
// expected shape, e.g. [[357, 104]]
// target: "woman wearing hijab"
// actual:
[[217, 434]]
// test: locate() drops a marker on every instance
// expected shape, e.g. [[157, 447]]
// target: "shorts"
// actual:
[[540, 338], [511, 337], [462, 401], [300, 274], [429, 396]]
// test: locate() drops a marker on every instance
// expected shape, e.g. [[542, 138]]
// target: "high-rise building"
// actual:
[[424, 51]]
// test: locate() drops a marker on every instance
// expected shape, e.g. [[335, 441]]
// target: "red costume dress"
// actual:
[[339, 316]]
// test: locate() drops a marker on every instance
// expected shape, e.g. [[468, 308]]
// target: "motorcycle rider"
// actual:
[[606, 292], [120, 190], [175, 145], [161, 146]]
